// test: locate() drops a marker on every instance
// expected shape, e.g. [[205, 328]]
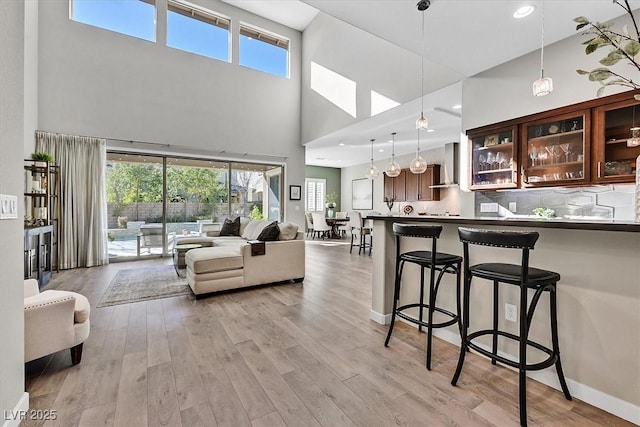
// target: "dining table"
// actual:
[[335, 223]]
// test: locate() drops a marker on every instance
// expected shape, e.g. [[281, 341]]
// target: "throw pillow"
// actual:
[[288, 231], [270, 233], [243, 224], [261, 224], [248, 229], [230, 228]]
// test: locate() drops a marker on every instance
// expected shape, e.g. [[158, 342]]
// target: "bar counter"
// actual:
[[598, 297]]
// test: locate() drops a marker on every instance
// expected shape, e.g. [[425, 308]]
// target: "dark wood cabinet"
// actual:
[[613, 160], [410, 187], [493, 158], [38, 254], [394, 188], [580, 144], [555, 150]]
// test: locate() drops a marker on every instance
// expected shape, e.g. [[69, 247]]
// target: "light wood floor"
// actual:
[[295, 355]]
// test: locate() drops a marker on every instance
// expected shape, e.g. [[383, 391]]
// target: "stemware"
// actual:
[[534, 155], [553, 152], [566, 149], [500, 159], [490, 160], [482, 161]]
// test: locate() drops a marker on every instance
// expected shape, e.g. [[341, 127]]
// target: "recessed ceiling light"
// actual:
[[380, 150], [457, 107], [523, 11], [431, 130], [341, 144]]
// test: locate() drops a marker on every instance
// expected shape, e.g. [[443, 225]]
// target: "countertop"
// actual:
[[521, 221]]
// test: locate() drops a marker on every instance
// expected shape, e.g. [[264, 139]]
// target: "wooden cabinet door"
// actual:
[[427, 179], [394, 188], [412, 186]]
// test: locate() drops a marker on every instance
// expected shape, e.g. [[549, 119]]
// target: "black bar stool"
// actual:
[[524, 277], [434, 261]]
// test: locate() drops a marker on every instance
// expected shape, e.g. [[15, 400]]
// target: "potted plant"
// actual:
[[42, 158], [623, 45]]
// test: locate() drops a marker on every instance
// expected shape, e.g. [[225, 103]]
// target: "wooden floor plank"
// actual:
[[291, 354], [289, 406], [132, 401], [164, 409]]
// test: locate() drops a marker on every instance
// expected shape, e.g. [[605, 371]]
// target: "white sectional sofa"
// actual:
[[228, 263]]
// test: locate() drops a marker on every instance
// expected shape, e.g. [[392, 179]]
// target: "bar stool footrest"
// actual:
[[513, 363], [453, 320]]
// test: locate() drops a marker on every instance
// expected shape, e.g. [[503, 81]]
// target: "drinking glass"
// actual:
[[534, 155], [566, 147], [553, 152], [482, 161], [500, 159]]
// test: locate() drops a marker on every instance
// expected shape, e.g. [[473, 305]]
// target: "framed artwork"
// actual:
[[362, 194], [295, 192]]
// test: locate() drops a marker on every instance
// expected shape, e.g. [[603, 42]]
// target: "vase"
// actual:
[[330, 213]]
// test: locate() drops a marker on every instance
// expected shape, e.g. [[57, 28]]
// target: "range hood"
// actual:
[[450, 167]]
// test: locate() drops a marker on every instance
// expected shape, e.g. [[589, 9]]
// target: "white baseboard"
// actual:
[[383, 319], [13, 418], [616, 406]]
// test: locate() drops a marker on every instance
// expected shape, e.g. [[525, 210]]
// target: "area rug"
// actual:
[[142, 284]]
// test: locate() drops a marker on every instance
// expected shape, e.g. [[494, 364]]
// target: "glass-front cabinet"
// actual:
[[555, 150], [494, 158], [614, 147]]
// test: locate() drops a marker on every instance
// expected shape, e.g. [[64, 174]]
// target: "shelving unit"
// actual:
[[41, 230]]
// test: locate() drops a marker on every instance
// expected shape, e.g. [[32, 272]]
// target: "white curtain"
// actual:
[[82, 240]]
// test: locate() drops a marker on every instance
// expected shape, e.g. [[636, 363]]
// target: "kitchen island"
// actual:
[[598, 297]]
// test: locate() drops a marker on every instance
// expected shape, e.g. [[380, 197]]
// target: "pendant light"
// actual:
[[418, 164], [544, 85], [634, 141], [422, 123], [393, 169], [372, 170]]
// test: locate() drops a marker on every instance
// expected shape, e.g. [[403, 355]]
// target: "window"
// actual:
[[135, 18], [314, 194], [197, 30], [263, 51]]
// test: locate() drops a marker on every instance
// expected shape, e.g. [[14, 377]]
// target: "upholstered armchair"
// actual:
[[54, 321]]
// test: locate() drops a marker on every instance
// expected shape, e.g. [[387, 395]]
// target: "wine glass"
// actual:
[[482, 160], [553, 152], [566, 149], [500, 158], [534, 155], [490, 160]]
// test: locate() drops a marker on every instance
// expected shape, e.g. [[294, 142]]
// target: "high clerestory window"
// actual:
[[135, 18], [197, 30], [264, 51]]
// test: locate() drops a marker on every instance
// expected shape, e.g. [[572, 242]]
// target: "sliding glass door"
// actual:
[[153, 200]]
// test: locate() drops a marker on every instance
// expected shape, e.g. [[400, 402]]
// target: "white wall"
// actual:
[[504, 92], [371, 62], [101, 83], [12, 122]]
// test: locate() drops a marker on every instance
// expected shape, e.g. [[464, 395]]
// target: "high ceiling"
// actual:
[[464, 36]]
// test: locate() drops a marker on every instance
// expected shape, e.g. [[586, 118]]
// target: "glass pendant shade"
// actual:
[[418, 164], [422, 123], [543, 86], [393, 169], [634, 141], [372, 171]]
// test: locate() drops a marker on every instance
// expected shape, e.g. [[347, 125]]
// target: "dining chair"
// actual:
[[309, 219], [320, 226], [344, 227], [359, 232]]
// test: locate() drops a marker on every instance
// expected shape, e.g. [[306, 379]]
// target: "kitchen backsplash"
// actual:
[[604, 201]]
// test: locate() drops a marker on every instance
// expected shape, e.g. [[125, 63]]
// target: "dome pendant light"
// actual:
[[544, 85], [422, 123], [393, 169], [418, 164], [372, 170]]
